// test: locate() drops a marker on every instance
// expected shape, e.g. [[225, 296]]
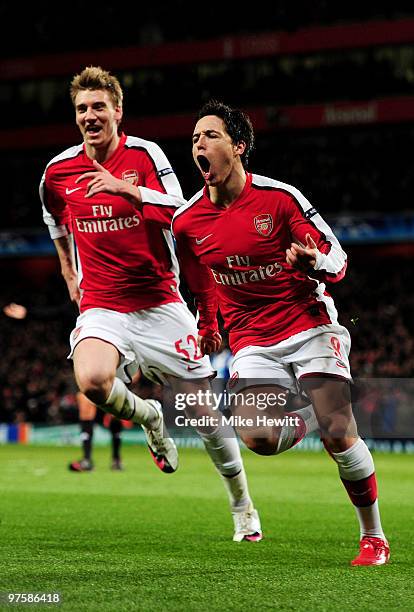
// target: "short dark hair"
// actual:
[[237, 123]]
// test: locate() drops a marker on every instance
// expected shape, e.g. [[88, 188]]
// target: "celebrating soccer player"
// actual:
[[116, 195], [259, 248]]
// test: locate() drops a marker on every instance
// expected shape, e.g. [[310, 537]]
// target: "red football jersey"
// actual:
[[237, 256], [126, 257]]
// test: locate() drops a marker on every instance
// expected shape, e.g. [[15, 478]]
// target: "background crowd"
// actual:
[[350, 170]]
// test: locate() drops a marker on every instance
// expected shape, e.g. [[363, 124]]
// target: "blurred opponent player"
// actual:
[[268, 275], [117, 195], [87, 416]]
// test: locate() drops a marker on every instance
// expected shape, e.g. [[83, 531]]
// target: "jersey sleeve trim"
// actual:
[[55, 230], [58, 231], [70, 153], [156, 198], [160, 164]]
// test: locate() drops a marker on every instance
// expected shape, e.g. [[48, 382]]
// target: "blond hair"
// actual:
[[95, 77]]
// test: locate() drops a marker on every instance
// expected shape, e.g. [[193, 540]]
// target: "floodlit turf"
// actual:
[[143, 540]]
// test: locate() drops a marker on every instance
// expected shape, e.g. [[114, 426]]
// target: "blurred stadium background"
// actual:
[[329, 87], [330, 92]]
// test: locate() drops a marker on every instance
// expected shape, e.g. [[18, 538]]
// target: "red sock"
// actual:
[[362, 492]]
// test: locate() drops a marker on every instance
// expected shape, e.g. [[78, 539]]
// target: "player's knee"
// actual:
[[339, 445], [95, 385], [261, 446], [335, 429]]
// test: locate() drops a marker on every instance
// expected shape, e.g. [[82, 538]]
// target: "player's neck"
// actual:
[[101, 154], [228, 191]]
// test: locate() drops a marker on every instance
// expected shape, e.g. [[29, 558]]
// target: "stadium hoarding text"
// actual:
[[392, 110], [382, 409]]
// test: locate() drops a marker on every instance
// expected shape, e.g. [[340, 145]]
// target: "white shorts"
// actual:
[[160, 340], [323, 350]]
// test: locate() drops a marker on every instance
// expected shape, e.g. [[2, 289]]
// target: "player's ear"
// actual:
[[118, 114], [240, 147]]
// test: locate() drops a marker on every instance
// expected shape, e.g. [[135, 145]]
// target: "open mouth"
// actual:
[[204, 166], [93, 129]]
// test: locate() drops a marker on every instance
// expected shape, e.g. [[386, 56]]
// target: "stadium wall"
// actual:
[[68, 435]]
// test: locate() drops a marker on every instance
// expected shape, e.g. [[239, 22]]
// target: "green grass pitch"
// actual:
[[143, 540]]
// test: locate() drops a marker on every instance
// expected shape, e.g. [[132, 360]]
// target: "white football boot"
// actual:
[[162, 448], [247, 526]]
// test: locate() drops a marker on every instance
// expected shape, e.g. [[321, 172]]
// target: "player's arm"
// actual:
[[314, 250], [56, 216], [202, 287], [66, 253], [158, 198]]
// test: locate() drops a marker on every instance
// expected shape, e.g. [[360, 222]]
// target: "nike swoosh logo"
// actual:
[[69, 191], [201, 240], [193, 367], [363, 492]]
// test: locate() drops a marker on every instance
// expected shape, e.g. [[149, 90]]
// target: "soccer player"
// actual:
[[261, 249], [116, 195], [87, 416]]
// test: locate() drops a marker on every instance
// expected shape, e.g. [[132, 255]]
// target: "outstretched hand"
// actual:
[[101, 181], [302, 257]]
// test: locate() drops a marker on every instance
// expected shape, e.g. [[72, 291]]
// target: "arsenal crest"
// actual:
[[131, 176], [264, 224]]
